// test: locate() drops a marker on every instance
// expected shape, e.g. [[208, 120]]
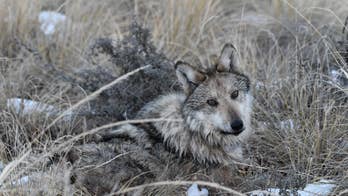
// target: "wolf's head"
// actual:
[[218, 103]]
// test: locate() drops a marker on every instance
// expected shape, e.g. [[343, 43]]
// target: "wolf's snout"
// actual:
[[237, 126]]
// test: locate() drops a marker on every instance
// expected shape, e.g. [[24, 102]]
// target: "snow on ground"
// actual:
[[339, 77], [321, 188], [49, 21], [287, 124], [23, 180], [255, 19], [27, 107], [259, 85], [1, 167], [335, 75], [195, 191]]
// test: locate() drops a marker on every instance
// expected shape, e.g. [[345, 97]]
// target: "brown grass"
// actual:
[[288, 48]]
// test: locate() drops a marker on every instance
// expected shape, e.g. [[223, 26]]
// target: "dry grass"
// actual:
[[288, 47]]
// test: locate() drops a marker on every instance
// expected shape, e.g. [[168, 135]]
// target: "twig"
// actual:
[[95, 130]]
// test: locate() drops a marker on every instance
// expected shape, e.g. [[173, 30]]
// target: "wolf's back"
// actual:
[[123, 100]]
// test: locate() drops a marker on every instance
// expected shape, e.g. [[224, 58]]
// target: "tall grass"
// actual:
[[287, 47]]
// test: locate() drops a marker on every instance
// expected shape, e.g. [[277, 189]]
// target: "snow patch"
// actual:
[[195, 191], [259, 85], [339, 77], [255, 19], [1, 167], [49, 20], [321, 188], [287, 124], [27, 107], [23, 180], [335, 76]]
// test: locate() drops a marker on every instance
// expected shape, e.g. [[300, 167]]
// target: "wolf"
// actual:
[[198, 131], [212, 115]]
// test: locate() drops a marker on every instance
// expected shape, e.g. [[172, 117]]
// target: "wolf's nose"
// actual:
[[237, 126]]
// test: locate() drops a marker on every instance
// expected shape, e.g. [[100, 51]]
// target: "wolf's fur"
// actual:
[[205, 132]]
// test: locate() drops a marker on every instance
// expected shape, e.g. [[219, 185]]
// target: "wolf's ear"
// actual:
[[228, 59], [188, 76]]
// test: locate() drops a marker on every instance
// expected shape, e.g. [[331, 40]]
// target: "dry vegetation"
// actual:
[[289, 49]]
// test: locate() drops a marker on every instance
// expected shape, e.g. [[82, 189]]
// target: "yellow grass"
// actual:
[[280, 43]]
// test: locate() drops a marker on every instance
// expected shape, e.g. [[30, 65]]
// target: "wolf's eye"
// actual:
[[234, 94], [212, 102]]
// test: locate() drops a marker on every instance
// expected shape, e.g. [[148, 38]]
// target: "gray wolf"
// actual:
[[213, 112], [212, 119]]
